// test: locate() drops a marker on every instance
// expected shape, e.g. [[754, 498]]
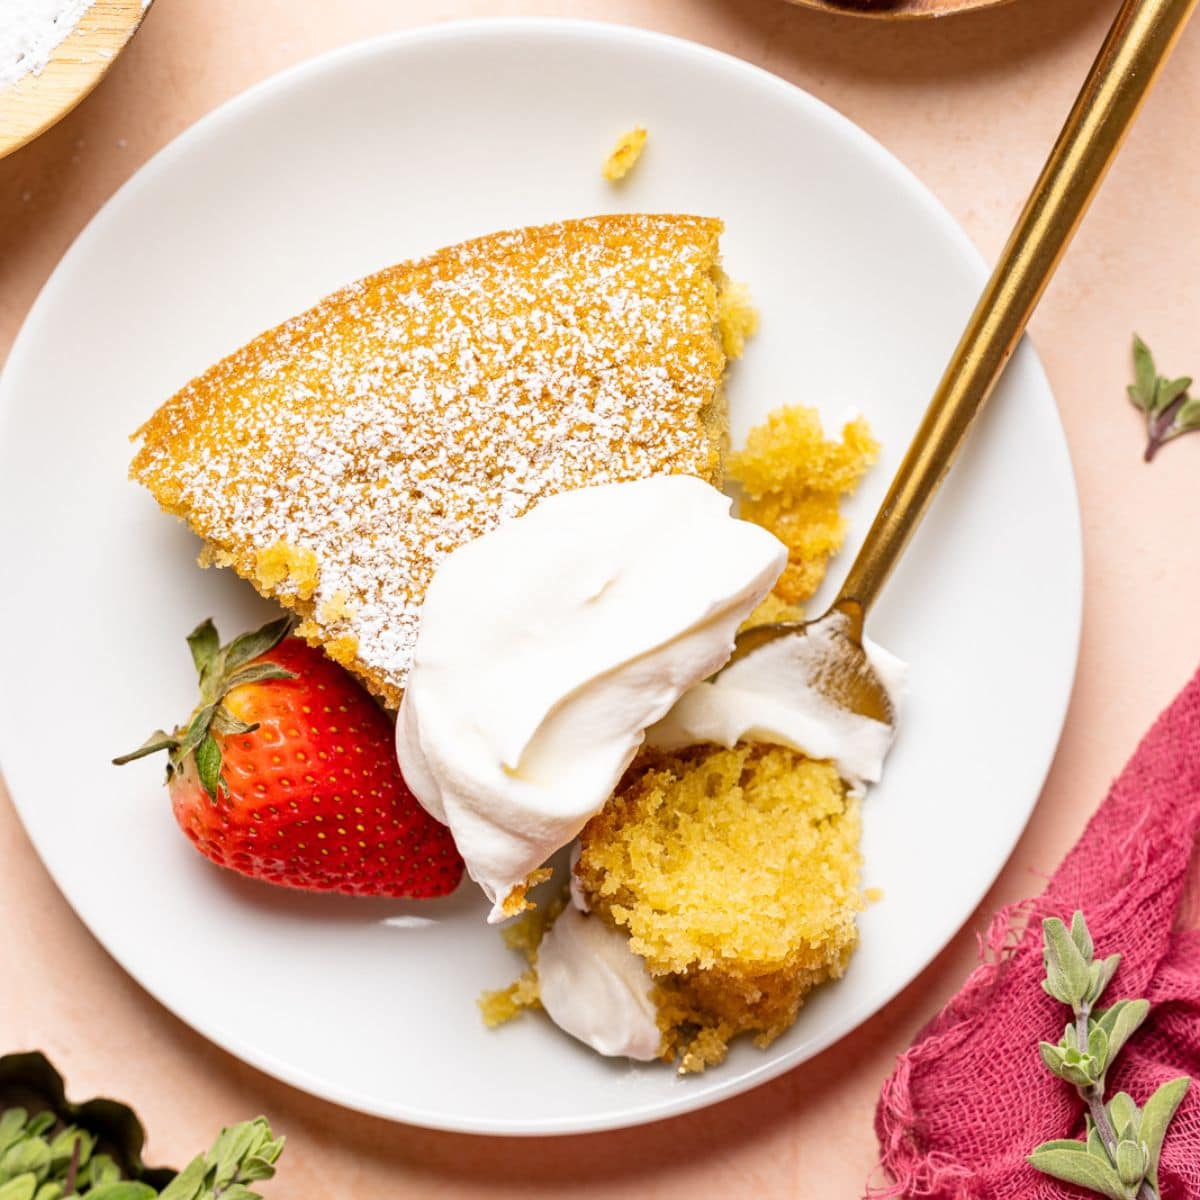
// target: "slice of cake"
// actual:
[[336, 459]]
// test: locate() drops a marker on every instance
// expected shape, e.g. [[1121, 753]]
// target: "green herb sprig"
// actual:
[[1169, 409], [1119, 1158], [41, 1162]]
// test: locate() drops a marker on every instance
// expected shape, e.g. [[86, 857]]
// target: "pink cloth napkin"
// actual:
[[970, 1098]]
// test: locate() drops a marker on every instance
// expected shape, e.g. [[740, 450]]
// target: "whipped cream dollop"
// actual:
[[767, 696], [548, 646], [595, 988]]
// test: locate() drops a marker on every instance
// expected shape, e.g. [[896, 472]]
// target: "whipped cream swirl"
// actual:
[[547, 648], [594, 987], [768, 697]]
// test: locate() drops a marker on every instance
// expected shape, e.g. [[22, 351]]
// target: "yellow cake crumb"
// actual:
[[792, 479], [343, 650], [525, 936], [282, 566], [737, 317], [213, 556], [736, 874], [517, 900], [336, 608], [625, 154], [506, 1003], [873, 895]]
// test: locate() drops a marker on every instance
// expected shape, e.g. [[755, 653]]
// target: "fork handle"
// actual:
[[1133, 54]]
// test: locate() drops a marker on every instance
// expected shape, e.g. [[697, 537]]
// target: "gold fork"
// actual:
[[1133, 54]]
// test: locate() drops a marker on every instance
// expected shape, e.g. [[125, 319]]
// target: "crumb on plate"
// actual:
[[624, 154]]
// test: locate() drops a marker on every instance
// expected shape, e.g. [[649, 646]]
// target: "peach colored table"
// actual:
[[971, 104]]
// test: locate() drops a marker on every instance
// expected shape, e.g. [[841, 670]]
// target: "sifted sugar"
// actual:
[[30, 30], [337, 459]]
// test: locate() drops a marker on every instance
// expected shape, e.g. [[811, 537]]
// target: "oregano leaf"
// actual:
[[189, 1183], [1129, 1016], [1076, 1165], [1167, 391], [1145, 375], [29, 1155], [12, 1125], [1168, 409], [102, 1169], [22, 1187], [1101, 974], [1065, 966], [1098, 1049], [1188, 416], [1130, 1163], [124, 1189], [1124, 1113], [1081, 937], [1156, 1116]]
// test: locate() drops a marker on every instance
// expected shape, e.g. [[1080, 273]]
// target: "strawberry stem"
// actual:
[[220, 669]]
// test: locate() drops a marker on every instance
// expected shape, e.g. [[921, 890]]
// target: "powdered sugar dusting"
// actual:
[[421, 406], [30, 30]]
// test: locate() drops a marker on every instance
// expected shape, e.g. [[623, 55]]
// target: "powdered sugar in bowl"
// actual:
[[52, 54]]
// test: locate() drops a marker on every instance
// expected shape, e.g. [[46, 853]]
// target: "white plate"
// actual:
[[386, 150]]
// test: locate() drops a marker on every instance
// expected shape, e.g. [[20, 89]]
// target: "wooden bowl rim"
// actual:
[[901, 10], [23, 113]]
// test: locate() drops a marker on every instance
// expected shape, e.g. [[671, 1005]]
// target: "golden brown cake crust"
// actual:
[[337, 458]]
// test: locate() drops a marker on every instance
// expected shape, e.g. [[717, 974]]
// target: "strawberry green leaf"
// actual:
[[152, 745], [204, 644], [250, 646], [208, 765], [221, 669], [254, 674], [225, 722], [195, 733]]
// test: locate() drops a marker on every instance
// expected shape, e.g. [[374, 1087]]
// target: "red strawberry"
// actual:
[[286, 771]]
